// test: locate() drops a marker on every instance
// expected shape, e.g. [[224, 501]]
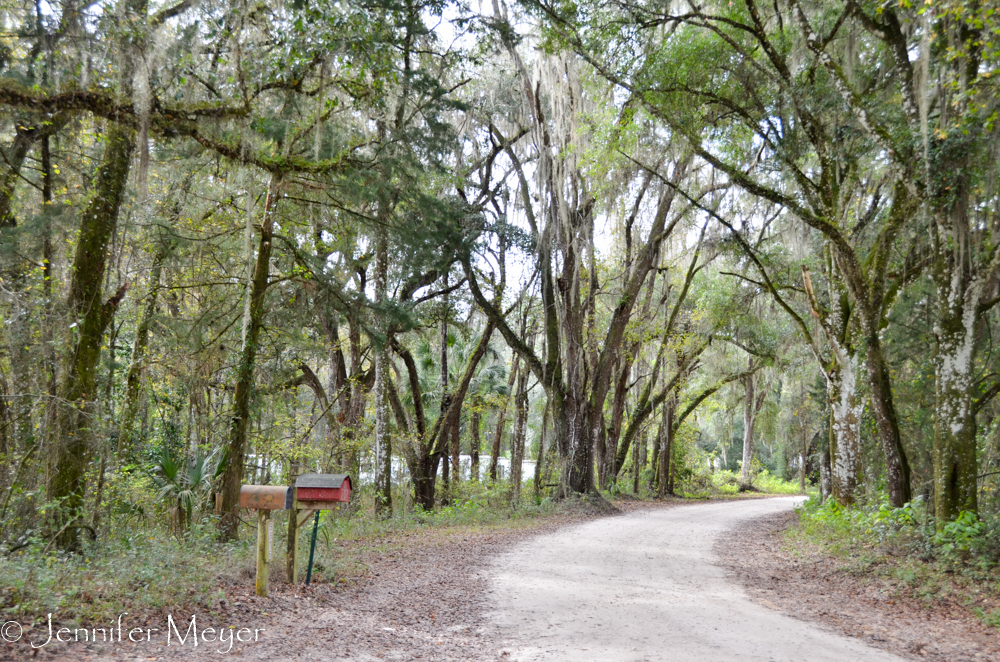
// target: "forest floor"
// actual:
[[513, 592], [814, 586]]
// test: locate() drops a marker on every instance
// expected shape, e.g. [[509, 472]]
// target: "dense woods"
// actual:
[[528, 250]]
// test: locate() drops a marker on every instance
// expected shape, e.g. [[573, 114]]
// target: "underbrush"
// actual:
[[956, 564], [138, 571], [720, 484], [726, 483]]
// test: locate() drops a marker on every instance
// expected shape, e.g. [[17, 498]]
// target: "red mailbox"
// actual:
[[313, 493], [322, 487]]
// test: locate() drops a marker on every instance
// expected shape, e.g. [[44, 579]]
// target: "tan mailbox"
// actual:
[[264, 499], [267, 497]]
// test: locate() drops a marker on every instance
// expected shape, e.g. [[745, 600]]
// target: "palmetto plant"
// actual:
[[490, 379], [185, 485]]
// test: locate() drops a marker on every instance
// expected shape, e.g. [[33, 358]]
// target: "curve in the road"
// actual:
[[647, 586]]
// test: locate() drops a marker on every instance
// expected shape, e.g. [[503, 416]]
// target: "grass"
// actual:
[[726, 484], [771, 484], [956, 565], [721, 484]]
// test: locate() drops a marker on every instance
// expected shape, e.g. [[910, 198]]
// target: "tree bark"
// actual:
[[753, 401], [443, 364], [456, 449], [825, 478], [880, 387], [474, 444], [517, 445], [609, 460], [383, 442], [540, 457], [357, 398], [846, 408], [954, 456]]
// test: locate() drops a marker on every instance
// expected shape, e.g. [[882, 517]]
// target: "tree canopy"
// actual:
[[636, 245]]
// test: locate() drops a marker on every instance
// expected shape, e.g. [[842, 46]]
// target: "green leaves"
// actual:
[[956, 538], [186, 483]]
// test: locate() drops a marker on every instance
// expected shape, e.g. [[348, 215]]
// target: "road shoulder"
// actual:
[[817, 588]]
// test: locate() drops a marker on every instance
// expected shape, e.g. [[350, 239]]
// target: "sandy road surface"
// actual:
[[645, 587]]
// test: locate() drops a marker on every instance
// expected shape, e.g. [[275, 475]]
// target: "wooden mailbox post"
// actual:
[[316, 492], [264, 499]]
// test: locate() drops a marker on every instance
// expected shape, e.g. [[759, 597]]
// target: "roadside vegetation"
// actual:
[[954, 564]]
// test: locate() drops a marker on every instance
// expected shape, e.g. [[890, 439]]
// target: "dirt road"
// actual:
[[646, 586], [637, 587]]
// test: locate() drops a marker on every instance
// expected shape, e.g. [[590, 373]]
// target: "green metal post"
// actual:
[[312, 549]]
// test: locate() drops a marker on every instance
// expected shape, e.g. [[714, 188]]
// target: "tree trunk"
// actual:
[[502, 421], [955, 465], [133, 380], [753, 401], [654, 473], [638, 461], [232, 477], [610, 463], [383, 442], [424, 483], [356, 402], [802, 471], [579, 431], [517, 445], [666, 438], [474, 443], [456, 450], [99, 494], [5, 425], [445, 468], [825, 478], [14, 158], [540, 457], [18, 329], [846, 407], [48, 337], [434, 443], [292, 531], [72, 449], [880, 388], [339, 390], [841, 371]]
